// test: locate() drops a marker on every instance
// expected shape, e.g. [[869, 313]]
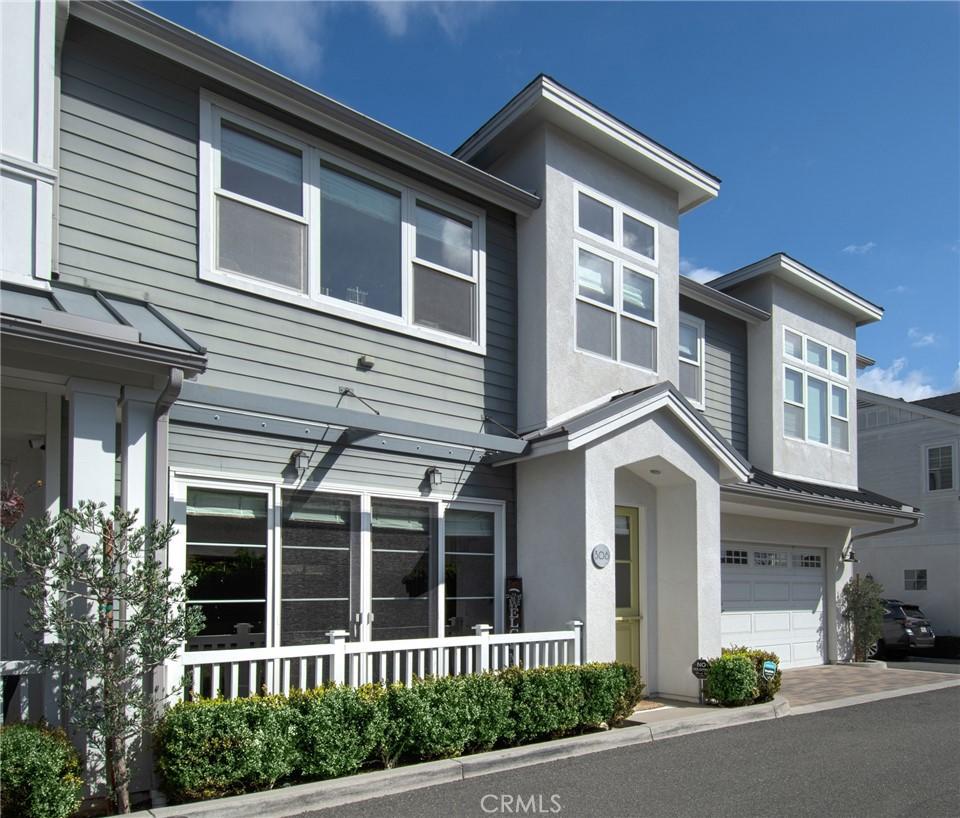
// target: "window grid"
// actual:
[[733, 556], [770, 559], [940, 468], [695, 363], [837, 420], [915, 579], [807, 561], [619, 213]]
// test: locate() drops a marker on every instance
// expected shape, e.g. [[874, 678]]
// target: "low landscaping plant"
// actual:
[[766, 689], [210, 748], [732, 680], [39, 773]]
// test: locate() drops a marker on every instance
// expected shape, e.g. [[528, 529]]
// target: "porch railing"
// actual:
[[249, 671]]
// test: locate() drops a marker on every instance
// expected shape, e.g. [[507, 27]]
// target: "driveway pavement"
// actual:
[[928, 664], [812, 685]]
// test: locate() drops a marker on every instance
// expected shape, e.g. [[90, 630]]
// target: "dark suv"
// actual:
[[905, 629]]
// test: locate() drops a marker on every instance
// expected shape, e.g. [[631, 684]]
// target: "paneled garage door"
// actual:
[[772, 598]]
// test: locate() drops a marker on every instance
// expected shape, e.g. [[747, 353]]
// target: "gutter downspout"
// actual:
[[161, 476], [905, 527]]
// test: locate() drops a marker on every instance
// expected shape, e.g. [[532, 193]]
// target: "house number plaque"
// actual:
[[600, 555]]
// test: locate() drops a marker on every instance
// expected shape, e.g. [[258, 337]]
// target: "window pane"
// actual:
[[838, 363], [444, 240], [622, 538], [316, 520], [622, 588], [307, 622], [261, 169], [816, 354], [226, 517], [595, 277], [792, 386], [402, 618], [793, 421], [359, 242], [638, 343], [463, 614], [595, 329], [839, 434], [638, 294], [238, 624], [689, 342], [471, 531], [227, 572], [638, 236], [838, 405], [793, 345], [468, 575], [690, 381], [596, 216], [817, 410], [260, 244], [940, 467], [444, 302]]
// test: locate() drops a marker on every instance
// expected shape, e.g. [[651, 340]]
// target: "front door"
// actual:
[[627, 566]]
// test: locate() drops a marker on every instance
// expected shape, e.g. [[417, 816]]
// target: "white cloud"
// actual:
[[859, 249], [900, 289], [453, 18], [701, 274], [286, 34], [921, 339], [895, 382]]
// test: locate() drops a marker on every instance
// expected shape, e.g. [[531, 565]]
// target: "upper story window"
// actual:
[[601, 218], [815, 407], [616, 309], [940, 463], [285, 218], [692, 365]]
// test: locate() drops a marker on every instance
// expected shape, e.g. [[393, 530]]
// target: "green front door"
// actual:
[[627, 567]]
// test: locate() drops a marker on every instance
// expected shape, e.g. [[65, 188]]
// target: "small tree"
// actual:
[[96, 586], [863, 609]]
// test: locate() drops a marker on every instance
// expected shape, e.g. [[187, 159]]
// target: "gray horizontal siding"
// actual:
[[725, 398], [128, 216]]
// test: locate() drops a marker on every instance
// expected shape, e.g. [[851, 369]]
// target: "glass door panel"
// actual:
[[469, 570], [627, 585]]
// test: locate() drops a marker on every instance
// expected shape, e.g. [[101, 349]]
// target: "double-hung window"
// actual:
[[692, 368], [816, 395], [940, 468], [616, 281], [285, 217]]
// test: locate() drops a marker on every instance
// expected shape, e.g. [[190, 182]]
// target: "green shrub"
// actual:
[[610, 692], [767, 690], [39, 772], [424, 721], [212, 747], [547, 702], [487, 708], [337, 729], [732, 681]]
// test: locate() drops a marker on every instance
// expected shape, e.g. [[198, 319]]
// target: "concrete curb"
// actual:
[[336, 792], [866, 698]]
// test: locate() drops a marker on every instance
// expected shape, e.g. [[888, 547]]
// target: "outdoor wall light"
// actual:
[[434, 476], [300, 460], [365, 362], [850, 556]]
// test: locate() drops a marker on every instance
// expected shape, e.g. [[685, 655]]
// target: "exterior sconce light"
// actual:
[[434, 477], [850, 556], [365, 362], [300, 460]]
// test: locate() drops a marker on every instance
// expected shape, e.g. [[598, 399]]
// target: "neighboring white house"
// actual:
[[475, 366], [909, 450]]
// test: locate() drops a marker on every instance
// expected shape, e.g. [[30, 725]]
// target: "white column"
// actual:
[[93, 441], [137, 446]]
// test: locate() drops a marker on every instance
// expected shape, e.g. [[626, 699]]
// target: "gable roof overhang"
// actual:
[[807, 279], [718, 300], [865, 398], [155, 33], [625, 411], [546, 100]]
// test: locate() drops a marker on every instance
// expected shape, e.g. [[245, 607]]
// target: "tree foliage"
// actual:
[[863, 609], [99, 591]]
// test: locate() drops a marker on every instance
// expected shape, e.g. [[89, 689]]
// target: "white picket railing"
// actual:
[[249, 671]]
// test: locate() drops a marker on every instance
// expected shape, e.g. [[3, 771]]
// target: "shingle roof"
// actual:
[[942, 403], [870, 498]]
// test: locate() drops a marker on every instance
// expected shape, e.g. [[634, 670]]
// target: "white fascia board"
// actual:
[[157, 34], [799, 274], [687, 176], [897, 403]]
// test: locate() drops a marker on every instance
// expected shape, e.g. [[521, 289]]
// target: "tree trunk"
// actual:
[[119, 780]]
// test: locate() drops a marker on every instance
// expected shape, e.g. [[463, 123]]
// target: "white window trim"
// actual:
[[180, 481], [701, 327], [617, 308], [619, 211], [212, 108], [952, 445], [803, 362]]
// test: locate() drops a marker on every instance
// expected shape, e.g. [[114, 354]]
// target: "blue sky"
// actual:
[[835, 127]]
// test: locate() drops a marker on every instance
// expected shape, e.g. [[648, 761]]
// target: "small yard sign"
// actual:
[[769, 670], [700, 668]]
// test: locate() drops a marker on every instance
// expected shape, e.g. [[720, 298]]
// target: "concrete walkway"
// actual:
[[824, 683]]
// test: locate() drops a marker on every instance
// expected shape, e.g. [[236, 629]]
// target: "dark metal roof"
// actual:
[[942, 403], [869, 498], [81, 316]]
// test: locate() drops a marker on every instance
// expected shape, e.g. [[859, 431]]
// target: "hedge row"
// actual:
[[215, 747], [39, 772], [736, 678]]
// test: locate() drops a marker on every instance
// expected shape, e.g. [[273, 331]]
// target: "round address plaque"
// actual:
[[600, 555]]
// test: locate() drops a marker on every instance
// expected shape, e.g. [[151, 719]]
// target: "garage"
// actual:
[[772, 597]]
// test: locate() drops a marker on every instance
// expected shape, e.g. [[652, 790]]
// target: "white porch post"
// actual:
[[137, 444]]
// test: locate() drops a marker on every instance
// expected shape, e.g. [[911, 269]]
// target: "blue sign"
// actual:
[[769, 670]]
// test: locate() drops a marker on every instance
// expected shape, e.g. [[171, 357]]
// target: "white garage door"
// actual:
[[772, 598]]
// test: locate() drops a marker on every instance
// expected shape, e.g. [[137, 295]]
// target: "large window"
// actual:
[[939, 468], [285, 218], [285, 567], [816, 397], [692, 367], [601, 218]]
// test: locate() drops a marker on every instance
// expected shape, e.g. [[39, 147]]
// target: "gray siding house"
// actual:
[[381, 389]]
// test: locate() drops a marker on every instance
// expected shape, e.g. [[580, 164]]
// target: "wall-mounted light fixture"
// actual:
[[365, 362], [300, 460], [434, 476], [850, 555], [37, 443]]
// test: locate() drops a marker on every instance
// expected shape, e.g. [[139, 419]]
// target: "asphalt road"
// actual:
[[924, 663], [896, 757]]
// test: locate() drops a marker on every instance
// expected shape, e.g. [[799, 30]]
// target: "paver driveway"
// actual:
[[810, 685]]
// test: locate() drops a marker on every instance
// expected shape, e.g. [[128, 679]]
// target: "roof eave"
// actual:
[[750, 490], [719, 300], [899, 403], [155, 33]]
